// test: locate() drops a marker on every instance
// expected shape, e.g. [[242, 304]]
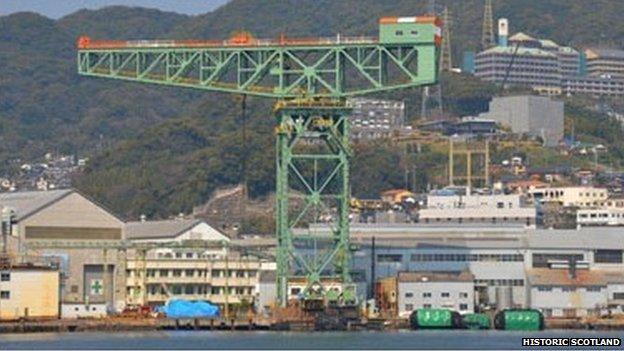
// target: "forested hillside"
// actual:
[[160, 150]]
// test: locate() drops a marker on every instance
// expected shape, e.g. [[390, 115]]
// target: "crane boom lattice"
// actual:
[[311, 78]]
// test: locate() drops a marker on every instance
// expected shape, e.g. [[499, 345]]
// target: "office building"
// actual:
[[536, 116], [582, 197], [208, 272]]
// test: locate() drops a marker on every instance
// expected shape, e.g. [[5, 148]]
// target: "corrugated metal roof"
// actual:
[[159, 229], [562, 277], [26, 203]]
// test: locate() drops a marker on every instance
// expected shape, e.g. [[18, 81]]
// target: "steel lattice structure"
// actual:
[[311, 78]]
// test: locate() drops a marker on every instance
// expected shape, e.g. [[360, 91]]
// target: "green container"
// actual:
[[519, 319], [431, 318], [476, 321]]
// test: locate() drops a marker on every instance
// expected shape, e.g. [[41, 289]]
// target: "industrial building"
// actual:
[[89, 276], [450, 207], [372, 118], [409, 291], [536, 116], [605, 63], [28, 291], [575, 292], [499, 258]]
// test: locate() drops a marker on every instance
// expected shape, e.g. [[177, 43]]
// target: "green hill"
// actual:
[[155, 149]]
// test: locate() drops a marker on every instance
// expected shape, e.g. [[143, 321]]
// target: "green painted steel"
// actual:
[[476, 321], [333, 71], [519, 319], [319, 182], [328, 70]]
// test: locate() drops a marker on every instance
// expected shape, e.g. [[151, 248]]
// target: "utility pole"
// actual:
[[487, 33]]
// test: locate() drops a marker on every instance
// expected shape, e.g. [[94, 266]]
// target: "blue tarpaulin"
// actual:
[[189, 309]]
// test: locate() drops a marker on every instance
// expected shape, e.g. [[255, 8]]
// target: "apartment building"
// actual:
[[373, 118], [605, 63]]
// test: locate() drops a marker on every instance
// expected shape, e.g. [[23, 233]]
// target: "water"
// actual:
[[265, 340]]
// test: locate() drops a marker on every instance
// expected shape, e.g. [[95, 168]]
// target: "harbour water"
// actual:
[[171, 340]]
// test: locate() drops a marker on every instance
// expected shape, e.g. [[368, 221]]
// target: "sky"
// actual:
[[59, 8]]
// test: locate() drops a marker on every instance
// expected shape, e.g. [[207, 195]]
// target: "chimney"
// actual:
[[503, 31]]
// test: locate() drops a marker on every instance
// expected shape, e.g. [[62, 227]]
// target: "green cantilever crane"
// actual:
[[311, 79]]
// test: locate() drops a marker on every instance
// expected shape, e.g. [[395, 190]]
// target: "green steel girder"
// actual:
[[321, 181], [332, 71]]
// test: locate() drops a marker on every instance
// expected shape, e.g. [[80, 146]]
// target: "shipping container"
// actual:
[[519, 319], [432, 318]]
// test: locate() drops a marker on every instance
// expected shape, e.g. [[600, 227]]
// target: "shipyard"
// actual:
[[412, 170]]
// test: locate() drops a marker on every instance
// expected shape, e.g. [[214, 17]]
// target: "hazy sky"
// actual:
[[59, 8]]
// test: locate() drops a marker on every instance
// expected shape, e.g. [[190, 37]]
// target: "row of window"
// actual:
[[569, 289], [426, 295], [192, 290], [215, 273], [500, 282], [410, 307], [467, 257], [185, 255]]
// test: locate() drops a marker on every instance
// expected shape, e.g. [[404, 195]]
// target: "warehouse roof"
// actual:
[[27, 203], [167, 229]]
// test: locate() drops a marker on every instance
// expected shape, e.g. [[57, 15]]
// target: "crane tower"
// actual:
[[310, 79]]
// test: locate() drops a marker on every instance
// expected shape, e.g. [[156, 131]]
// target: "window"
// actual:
[[74, 289], [189, 273], [568, 289], [608, 256], [177, 289], [463, 295], [445, 294], [295, 291], [618, 295], [426, 294], [216, 273], [177, 272], [5, 295], [163, 273], [389, 258], [541, 260], [414, 32], [409, 307], [500, 205], [189, 255], [427, 305], [399, 32], [463, 306], [593, 289], [178, 255], [409, 294], [5, 277], [544, 288]]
